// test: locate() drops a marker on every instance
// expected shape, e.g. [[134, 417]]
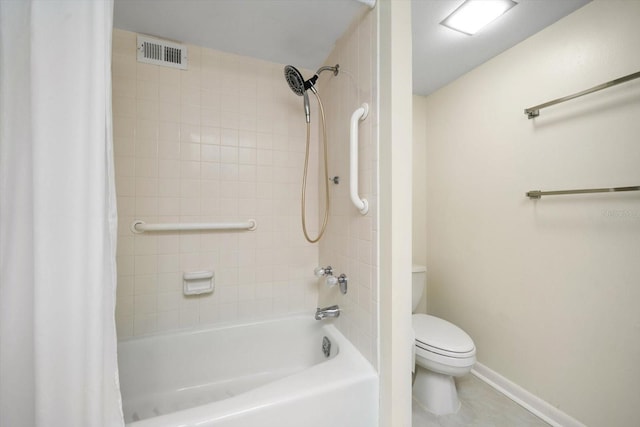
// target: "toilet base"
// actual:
[[435, 392]]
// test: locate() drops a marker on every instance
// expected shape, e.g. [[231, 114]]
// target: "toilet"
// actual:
[[442, 351]]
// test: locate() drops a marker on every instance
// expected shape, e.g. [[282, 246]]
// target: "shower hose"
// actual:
[[326, 178]]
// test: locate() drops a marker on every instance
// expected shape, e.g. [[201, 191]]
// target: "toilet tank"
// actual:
[[419, 280]]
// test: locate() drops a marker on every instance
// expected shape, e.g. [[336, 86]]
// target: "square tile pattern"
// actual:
[[222, 141], [225, 141]]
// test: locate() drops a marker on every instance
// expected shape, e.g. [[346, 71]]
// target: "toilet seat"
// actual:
[[438, 336]]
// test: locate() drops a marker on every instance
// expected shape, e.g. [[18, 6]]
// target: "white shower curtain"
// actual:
[[58, 364]]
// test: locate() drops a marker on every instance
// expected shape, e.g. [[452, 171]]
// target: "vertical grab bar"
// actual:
[[358, 115]]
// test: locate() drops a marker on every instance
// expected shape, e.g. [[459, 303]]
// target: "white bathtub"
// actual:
[[265, 374]]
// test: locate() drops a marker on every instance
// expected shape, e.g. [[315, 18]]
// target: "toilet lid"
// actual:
[[438, 335]]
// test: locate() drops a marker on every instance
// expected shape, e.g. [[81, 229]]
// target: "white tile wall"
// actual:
[[350, 245], [221, 141]]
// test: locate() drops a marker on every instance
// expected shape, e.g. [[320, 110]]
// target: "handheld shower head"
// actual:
[[299, 85], [295, 79], [307, 109]]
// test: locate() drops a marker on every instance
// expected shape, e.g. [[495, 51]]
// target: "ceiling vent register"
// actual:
[[162, 52]]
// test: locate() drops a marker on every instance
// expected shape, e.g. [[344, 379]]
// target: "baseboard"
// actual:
[[527, 400]]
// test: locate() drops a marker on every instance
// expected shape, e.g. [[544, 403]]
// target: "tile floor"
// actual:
[[482, 406]]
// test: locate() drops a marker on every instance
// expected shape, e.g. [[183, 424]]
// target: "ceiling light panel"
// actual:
[[472, 15]]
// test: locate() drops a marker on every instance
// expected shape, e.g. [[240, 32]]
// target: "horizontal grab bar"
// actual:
[[138, 226], [537, 194], [532, 112]]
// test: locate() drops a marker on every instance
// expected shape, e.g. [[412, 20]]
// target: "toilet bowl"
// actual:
[[442, 351]]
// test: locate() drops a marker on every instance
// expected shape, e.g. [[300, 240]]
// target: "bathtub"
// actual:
[[260, 374]]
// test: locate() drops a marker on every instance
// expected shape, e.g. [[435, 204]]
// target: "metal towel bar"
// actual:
[[537, 194], [532, 112]]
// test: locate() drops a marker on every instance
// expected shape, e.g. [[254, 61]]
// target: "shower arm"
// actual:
[[335, 69]]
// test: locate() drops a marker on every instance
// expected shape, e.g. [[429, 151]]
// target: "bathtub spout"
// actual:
[[331, 311]]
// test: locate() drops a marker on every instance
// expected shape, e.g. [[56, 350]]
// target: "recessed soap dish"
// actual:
[[197, 282]]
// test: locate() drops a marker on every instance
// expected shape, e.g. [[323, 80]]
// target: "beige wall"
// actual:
[[419, 181], [222, 141], [396, 335], [350, 243], [547, 289]]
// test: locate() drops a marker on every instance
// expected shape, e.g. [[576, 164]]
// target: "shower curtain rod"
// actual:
[[532, 112], [537, 194], [138, 226]]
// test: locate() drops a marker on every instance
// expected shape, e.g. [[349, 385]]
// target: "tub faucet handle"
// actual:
[[323, 271], [341, 279]]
